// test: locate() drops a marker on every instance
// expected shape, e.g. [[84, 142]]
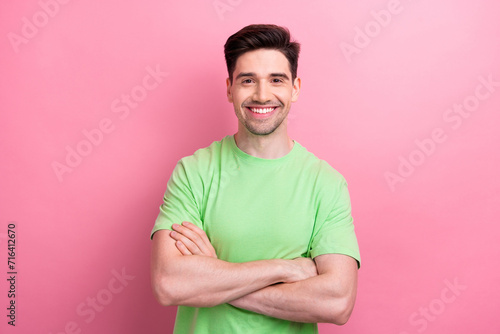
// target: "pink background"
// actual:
[[370, 105]]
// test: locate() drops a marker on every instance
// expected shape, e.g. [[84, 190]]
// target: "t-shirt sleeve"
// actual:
[[179, 203], [335, 235]]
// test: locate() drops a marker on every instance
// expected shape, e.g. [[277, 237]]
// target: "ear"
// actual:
[[296, 89], [228, 91]]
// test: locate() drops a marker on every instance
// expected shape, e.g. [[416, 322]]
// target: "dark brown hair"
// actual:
[[261, 36]]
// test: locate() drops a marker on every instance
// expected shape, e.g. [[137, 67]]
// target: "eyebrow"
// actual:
[[273, 75]]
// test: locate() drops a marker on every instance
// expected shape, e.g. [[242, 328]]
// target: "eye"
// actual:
[[277, 80], [246, 81]]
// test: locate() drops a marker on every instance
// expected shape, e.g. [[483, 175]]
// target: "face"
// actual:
[[262, 91]]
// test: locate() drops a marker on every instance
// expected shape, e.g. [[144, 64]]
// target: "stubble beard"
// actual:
[[258, 127]]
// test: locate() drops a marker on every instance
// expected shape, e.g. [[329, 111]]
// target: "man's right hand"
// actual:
[[301, 268]]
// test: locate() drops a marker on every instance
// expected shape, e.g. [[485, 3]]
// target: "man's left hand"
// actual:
[[192, 240]]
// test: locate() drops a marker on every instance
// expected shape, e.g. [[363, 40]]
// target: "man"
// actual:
[[255, 234]]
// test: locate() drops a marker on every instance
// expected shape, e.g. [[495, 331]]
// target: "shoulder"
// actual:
[[321, 169], [204, 155], [204, 161]]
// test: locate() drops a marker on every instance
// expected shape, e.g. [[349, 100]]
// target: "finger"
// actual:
[[207, 248], [182, 248], [191, 246], [196, 230], [193, 234]]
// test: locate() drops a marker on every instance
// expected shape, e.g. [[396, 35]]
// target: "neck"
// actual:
[[271, 146]]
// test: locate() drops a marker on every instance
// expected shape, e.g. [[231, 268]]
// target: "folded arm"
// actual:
[[326, 297], [202, 280]]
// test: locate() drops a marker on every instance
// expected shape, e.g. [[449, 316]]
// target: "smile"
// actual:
[[262, 110]]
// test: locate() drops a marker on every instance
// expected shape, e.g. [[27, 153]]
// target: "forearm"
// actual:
[[187, 273], [202, 281], [316, 299]]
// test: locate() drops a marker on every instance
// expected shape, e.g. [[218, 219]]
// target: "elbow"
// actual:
[[164, 293], [341, 312], [169, 292], [165, 300], [341, 319]]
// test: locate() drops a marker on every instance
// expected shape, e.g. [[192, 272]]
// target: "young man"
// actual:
[[255, 234]]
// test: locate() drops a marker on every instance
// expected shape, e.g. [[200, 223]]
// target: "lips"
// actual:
[[262, 110]]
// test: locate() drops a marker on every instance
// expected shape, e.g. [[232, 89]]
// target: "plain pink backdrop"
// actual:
[[378, 79]]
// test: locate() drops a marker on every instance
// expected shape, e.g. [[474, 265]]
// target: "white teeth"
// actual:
[[262, 110]]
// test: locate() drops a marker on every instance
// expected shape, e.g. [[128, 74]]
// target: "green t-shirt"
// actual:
[[255, 209]]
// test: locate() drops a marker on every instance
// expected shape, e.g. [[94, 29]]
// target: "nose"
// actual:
[[262, 93]]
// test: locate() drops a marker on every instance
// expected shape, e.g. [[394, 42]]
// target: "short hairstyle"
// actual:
[[261, 36]]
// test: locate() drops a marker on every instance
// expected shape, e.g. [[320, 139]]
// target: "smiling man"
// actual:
[[255, 234]]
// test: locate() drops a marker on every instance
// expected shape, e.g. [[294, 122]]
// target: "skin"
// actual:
[[327, 295], [176, 278], [263, 78], [303, 289]]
